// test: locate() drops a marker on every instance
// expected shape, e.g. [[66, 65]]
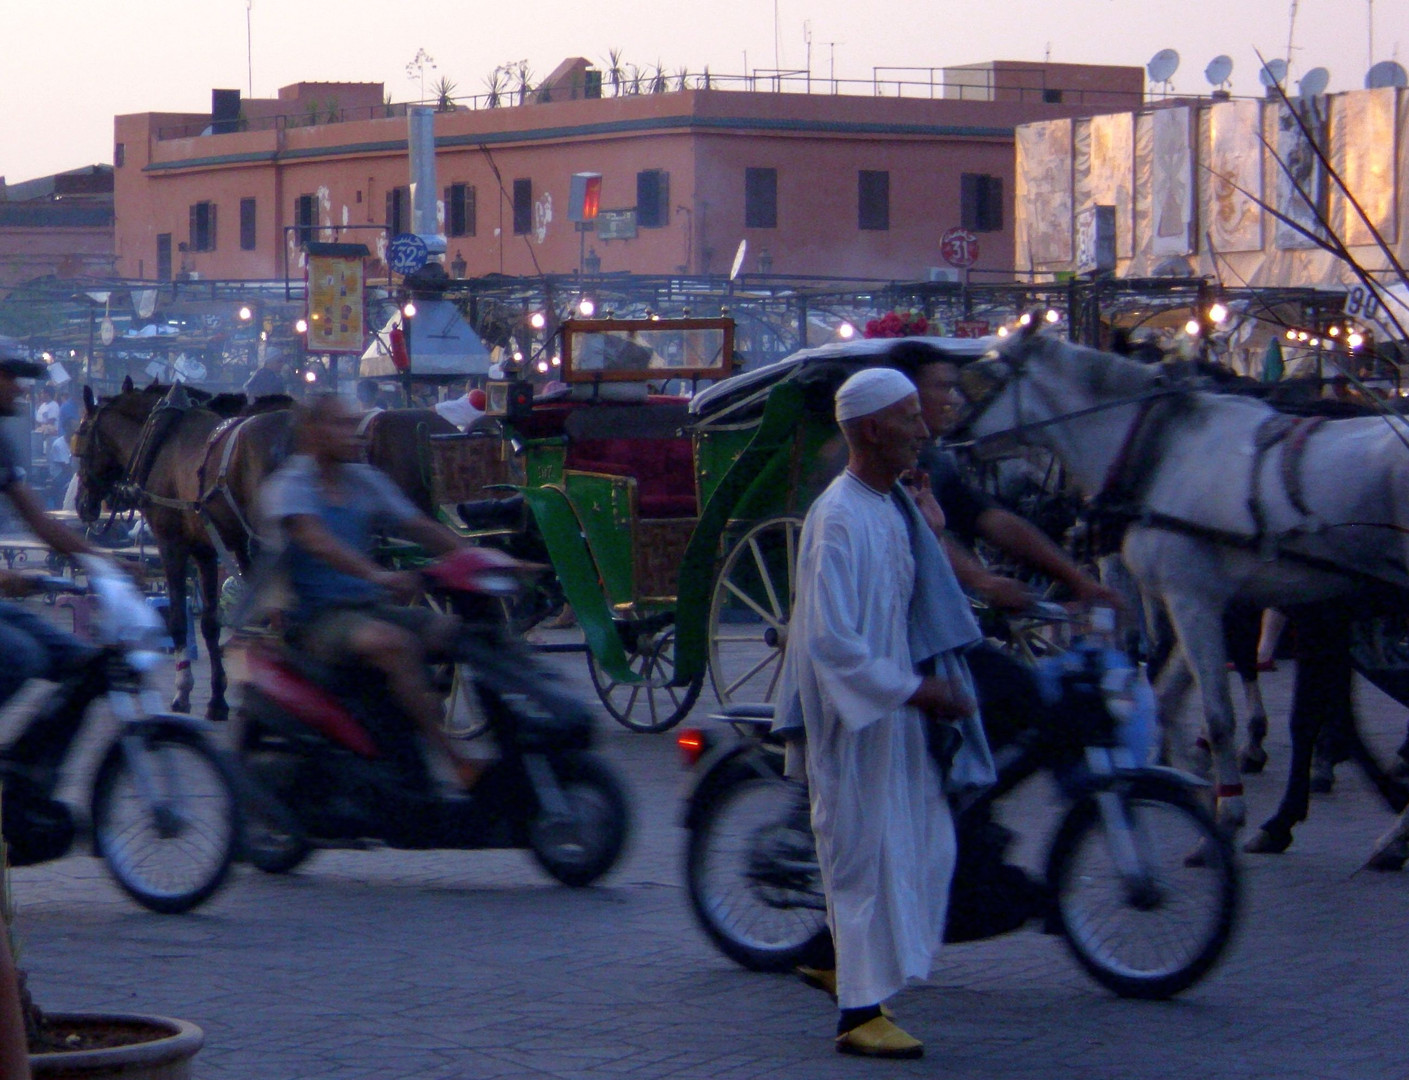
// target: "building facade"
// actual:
[[57, 226], [818, 184]]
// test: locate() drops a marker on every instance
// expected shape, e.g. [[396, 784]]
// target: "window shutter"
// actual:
[[194, 230], [969, 199], [210, 228]]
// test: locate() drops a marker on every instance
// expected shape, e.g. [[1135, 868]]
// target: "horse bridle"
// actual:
[[983, 380]]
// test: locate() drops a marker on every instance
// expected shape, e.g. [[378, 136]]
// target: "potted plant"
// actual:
[[80, 1046]]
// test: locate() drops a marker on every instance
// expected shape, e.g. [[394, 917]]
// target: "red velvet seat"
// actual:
[[664, 470]]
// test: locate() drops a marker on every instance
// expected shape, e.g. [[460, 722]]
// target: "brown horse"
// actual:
[[194, 468]]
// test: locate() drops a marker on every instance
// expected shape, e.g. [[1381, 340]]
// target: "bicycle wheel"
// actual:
[[166, 818], [751, 872], [1157, 927]]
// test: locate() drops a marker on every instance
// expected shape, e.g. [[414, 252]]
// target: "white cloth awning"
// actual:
[[441, 343]]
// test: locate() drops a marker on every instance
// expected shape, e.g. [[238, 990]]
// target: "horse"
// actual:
[[1223, 500], [149, 449], [196, 477]]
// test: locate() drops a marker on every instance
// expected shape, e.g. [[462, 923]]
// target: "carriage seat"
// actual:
[[641, 442]]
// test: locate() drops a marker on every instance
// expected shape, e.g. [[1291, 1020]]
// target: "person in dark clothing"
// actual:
[[31, 647], [1007, 692], [269, 378]]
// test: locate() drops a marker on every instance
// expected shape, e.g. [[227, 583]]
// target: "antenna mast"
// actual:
[[1370, 30], [249, 47], [1291, 33]]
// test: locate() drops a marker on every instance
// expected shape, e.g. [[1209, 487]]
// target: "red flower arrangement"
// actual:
[[895, 324]]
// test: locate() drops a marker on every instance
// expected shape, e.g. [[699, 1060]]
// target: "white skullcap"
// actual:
[[870, 391]]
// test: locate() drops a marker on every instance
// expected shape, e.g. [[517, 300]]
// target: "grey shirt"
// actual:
[[370, 504]]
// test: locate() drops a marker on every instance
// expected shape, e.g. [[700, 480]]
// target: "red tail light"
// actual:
[[692, 746]]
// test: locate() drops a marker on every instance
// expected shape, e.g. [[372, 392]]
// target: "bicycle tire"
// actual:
[[802, 937], [1118, 959], [210, 812]]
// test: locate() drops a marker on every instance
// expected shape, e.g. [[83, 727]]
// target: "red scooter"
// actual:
[[332, 762]]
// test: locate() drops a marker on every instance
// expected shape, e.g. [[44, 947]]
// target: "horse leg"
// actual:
[[1253, 758], [1199, 626], [173, 562], [1171, 695], [1241, 626], [1321, 692], [208, 565]]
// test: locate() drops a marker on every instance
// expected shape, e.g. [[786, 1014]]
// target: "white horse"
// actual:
[[1226, 499]]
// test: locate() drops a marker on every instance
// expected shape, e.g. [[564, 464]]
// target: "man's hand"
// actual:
[[404, 585], [1087, 590], [17, 585], [939, 699], [917, 483], [1005, 593]]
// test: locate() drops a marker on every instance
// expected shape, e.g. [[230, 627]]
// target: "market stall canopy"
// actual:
[[441, 344]]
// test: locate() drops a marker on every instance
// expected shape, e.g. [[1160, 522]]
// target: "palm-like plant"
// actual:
[[658, 80], [444, 94], [495, 84], [616, 72]]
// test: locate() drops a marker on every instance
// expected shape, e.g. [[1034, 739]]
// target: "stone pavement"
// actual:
[[474, 965]]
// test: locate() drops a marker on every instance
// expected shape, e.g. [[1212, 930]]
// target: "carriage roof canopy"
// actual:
[[860, 353], [441, 343]]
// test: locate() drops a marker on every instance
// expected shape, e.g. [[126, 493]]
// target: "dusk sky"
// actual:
[[70, 65]]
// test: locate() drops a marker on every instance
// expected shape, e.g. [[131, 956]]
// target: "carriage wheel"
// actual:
[[750, 611], [652, 704]]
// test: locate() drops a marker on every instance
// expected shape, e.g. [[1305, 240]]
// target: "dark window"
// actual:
[[246, 224], [164, 256], [1052, 97], [119, 155], [460, 210], [398, 210], [872, 199], [761, 198], [306, 217], [523, 207], [653, 199], [202, 227], [981, 202]]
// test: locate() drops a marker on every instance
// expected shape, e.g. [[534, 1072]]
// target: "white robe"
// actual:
[[885, 837]]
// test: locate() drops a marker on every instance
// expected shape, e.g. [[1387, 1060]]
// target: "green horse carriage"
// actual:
[[672, 519]]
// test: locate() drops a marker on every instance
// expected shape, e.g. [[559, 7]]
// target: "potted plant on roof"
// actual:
[[80, 1046]]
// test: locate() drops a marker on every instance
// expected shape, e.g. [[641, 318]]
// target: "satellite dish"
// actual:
[[1314, 82], [739, 259], [1218, 70], [1162, 66], [1386, 74], [1273, 73]]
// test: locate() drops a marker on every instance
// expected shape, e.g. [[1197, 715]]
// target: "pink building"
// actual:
[[818, 184]]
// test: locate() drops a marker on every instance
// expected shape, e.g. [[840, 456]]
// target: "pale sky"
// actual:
[[70, 65]]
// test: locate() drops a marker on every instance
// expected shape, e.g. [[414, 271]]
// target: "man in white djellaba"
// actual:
[[875, 667]]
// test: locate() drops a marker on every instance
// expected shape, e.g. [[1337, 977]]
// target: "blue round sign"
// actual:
[[407, 253]]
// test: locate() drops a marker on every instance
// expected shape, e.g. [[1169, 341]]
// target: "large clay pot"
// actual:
[[165, 1055]]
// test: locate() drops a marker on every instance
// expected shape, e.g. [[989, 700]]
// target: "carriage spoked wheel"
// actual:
[[652, 704], [750, 610]]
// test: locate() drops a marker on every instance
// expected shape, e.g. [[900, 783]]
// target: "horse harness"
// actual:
[[1120, 502], [131, 492]]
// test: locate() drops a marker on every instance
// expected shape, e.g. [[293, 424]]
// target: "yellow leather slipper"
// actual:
[[879, 1038]]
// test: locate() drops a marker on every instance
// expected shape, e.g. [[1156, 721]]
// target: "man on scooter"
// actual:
[[328, 508], [31, 647]]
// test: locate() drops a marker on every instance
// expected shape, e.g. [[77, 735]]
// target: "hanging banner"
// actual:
[[335, 304]]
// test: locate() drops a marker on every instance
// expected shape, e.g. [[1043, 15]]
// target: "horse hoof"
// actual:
[[1386, 861], [1252, 761], [1323, 779], [177, 705], [217, 714], [1266, 842]]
